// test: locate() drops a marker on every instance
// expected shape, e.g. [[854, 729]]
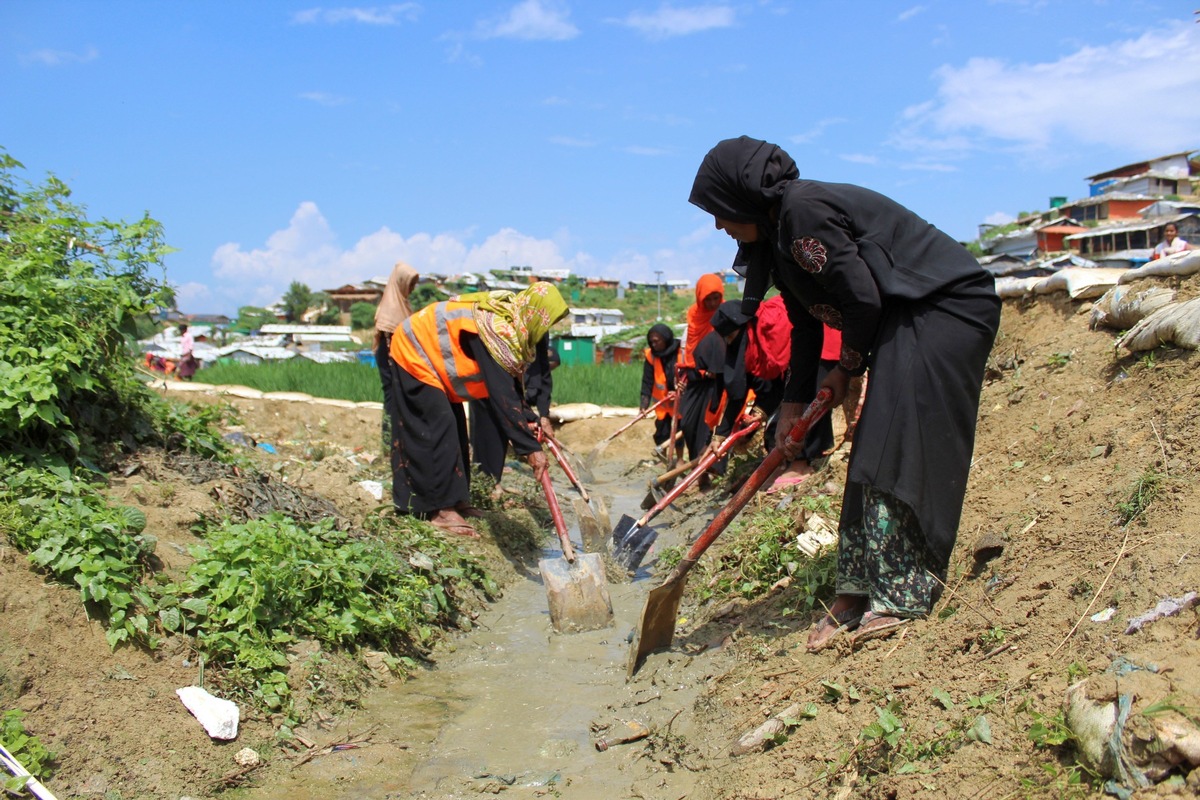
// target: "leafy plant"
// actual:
[[26, 749], [71, 294], [1050, 730], [71, 532], [1059, 360]]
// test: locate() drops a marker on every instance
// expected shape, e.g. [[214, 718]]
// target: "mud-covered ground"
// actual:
[[1069, 429]]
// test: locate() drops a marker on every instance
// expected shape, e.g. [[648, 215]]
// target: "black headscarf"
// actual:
[[742, 180], [668, 336], [729, 317]]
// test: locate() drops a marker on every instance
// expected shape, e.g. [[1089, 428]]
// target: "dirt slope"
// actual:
[[1067, 428]]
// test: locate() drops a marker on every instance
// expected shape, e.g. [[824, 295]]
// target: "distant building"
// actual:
[[1165, 175], [345, 296], [1134, 240]]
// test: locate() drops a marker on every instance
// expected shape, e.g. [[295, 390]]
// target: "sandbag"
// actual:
[[1177, 323], [1017, 287], [1122, 307], [1081, 283], [1185, 263], [572, 412]]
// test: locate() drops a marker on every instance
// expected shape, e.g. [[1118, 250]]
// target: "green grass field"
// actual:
[[604, 384]]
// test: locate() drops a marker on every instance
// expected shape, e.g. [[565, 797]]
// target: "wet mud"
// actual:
[[514, 707]]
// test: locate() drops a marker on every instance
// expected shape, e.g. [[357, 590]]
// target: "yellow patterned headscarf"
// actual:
[[511, 324]]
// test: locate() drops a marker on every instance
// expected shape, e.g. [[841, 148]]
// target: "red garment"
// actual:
[[831, 345], [769, 341], [699, 318]]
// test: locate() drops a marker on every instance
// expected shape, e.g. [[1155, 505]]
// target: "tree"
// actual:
[[251, 318], [424, 295], [72, 293], [362, 316], [297, 301]]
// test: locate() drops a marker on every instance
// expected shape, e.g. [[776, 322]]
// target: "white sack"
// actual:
[[1177, 323], [1121, 307], [1184, 263]]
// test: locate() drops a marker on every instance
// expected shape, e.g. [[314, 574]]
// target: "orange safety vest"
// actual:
[[426, 346], [660, 384]]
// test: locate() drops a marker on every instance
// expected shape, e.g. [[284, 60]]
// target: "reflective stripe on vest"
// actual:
[[426, 346]]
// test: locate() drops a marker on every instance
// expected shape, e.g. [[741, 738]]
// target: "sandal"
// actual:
[[453, 523], [877, 626], [833, 624], [469, 511]]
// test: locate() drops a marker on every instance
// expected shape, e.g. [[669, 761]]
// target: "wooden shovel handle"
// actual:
[[641, 415], [720, 522], [560, 524], [703, 464], [556, 449]]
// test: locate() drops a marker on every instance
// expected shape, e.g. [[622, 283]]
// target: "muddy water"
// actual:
[[517, 708]]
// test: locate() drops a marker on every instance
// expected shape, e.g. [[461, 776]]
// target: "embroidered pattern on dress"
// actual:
[[827, 314], [851, 359], [809, 253]]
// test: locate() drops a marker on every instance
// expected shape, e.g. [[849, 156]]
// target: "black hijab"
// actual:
[[729, 317], [668, 336], [742, 180]]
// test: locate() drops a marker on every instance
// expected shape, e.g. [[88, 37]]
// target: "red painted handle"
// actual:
[[560, 525], [720, 522], [556, 449], [702, 465]]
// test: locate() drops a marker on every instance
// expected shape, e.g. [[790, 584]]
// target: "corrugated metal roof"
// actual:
[[1128, 227]]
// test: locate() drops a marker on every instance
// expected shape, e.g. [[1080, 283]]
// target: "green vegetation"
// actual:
[[71, 294], [257, 587], [606, 384], [341, 380], [1145, 489], [362, 316], [26, 749]]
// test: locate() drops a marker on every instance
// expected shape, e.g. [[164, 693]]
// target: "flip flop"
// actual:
[[457, 528], [786, 482], [830, 626], [877, 626]]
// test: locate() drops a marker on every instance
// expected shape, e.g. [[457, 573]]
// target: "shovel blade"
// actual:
[[658, 622], [589, 527], [577, 593], [633, 546]]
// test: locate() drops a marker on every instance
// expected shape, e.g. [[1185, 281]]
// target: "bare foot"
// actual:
[[451, 521]]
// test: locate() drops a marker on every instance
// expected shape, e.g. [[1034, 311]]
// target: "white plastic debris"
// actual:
[[817, 535], [373, 488], [1105, 615], [219, 717]]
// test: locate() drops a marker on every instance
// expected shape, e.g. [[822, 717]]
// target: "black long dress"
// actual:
[[702, 393], [489, 443]]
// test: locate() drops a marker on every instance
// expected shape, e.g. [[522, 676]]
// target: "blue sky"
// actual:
[[282, 141]]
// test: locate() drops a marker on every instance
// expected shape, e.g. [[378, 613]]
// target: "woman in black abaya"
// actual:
[[916, 309]]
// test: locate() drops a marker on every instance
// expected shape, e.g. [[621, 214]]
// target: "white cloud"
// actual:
[[531, 20], [818, 128], [1142, 95], [373, 15], [307, 250], [571, 141], [324, 99], [909, 13], [669, 21], [859, 158], [999, 218], [929, 166], [59, 58]]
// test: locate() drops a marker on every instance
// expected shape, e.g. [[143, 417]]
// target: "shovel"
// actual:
[[576, 586], [641, 415], [557, 450], [631, 538], [662, 603], [680, 385], [655, 489]]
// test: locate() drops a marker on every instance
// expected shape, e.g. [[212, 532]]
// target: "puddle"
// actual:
[[511, 709]]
